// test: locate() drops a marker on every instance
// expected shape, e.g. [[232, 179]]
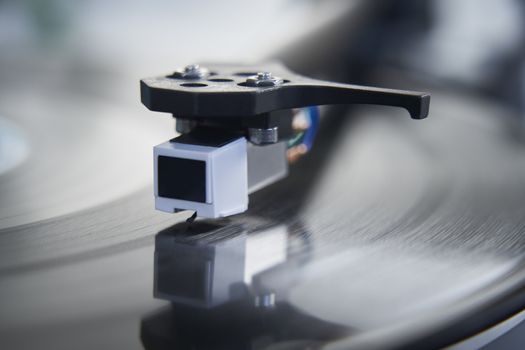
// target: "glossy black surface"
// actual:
[[182, 178], [351, 244], [214, 275]]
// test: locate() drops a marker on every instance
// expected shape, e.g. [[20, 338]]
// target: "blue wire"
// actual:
[[309, 135]]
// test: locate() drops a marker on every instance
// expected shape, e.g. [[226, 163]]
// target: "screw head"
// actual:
[[263, 136], [265, 301], [264, 76], [262, 79], [192, 68], [184, 126], [191, 71]]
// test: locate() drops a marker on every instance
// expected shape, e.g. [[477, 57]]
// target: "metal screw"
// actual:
[[184, 126], [191, 71], [263, 79], [191, 68], [265, 301], [264, 75], [263, 136]]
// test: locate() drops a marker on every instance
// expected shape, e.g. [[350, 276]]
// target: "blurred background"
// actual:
[[74, 138]]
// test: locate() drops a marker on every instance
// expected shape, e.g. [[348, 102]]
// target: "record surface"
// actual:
[[388, 232]]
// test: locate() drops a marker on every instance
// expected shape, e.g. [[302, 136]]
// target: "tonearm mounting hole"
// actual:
[[193, 85], [221, 80], [245, 74]]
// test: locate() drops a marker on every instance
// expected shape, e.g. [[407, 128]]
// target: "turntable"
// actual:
[[370, 230]]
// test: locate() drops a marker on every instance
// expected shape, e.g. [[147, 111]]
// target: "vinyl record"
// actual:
[[388, 233]]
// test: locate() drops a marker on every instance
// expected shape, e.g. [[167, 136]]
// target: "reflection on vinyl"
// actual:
[[214, 275]]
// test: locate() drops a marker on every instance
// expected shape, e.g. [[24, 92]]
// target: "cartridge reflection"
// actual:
[[228, 285], [207, 263]]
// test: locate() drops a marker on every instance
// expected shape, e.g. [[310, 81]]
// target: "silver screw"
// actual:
[[191, 71], [263, 136], [184, 126], [264, 76], [265, 301], [262, 79], [192, 68]]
